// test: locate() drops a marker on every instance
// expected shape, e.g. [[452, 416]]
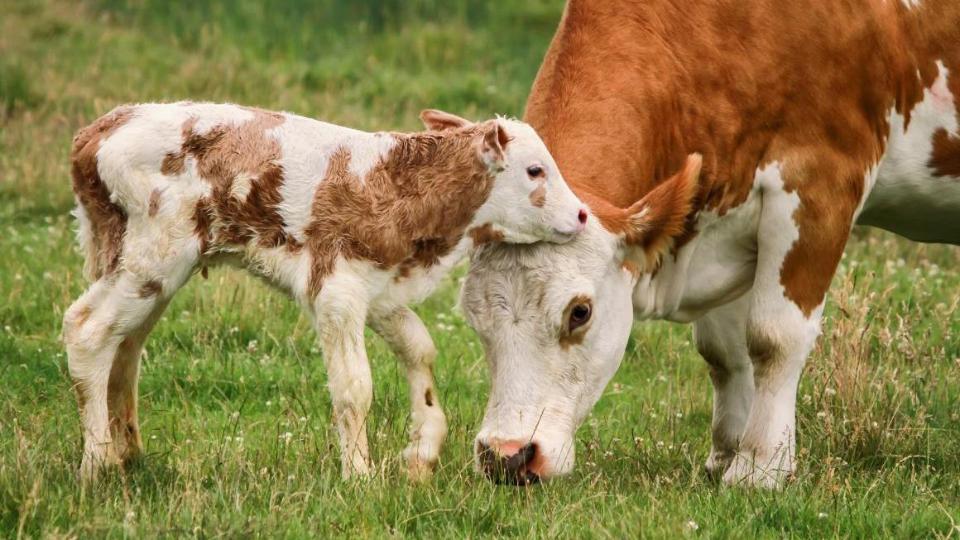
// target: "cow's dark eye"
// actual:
[[535, 171], [579, 315]]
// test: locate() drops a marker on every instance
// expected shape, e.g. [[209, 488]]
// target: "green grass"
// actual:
[[233, 367]]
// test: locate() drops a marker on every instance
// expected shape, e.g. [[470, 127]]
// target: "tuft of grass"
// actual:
[[235, 412], [15, 90]]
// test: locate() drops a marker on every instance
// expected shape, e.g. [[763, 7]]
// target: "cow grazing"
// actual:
[[810, 116], [353, 225]]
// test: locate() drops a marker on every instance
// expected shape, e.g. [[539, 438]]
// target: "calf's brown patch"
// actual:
[[223, 154], [108, 221], [154, 204], [485, 234], [410, 209], [538, 197]]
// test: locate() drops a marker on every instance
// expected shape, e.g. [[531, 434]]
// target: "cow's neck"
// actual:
[[580, 113]]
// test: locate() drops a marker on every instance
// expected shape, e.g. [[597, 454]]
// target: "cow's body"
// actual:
[[809, 116], [353, 225]]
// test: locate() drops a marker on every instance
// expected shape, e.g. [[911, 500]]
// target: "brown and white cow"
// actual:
[[353, 225], [810, 116]]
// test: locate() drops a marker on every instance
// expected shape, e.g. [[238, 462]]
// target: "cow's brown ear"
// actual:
[[655, 220], [437, 120]]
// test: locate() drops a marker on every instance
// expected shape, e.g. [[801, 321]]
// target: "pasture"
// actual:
[[234, 407]]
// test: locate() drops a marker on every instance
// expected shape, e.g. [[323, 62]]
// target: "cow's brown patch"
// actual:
[[569, 337], [428, 398], [945, 158], [829, 192], [485, 234], [538, 197], [410, 209], [154, 203], [108, 221], [151, 288], [827, 97]]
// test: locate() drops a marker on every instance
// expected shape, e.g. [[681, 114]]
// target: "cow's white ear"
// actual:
[[437, 120], [661, 216], [494, 143]]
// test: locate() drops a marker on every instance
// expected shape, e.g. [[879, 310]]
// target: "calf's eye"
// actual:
[[535, 171]]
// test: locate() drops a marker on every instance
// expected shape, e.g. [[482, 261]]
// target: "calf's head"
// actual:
[[529, 200], [554, 322]]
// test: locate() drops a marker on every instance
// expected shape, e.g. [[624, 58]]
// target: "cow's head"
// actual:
[[554, 322], [529, 200]]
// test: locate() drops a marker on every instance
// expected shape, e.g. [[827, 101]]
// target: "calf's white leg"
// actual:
[[340, 312], [104, 332], [410, 341]]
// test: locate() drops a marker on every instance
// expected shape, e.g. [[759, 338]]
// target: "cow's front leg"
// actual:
[[340, 313], [410, 341], [804, 225], [720, 336]]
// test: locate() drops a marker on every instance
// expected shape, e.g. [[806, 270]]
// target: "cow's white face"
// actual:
[[529, 200], [554, 321]]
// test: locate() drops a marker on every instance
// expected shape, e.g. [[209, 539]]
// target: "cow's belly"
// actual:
[[909, 198]]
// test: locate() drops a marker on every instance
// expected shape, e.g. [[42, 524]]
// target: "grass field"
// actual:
[[234, 408]]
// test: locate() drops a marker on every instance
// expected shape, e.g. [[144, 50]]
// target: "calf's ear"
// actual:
[[656, 220], [437, 120], [493, 144]]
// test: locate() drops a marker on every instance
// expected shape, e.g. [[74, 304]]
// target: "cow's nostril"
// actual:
[[508, 462], [582, 217]]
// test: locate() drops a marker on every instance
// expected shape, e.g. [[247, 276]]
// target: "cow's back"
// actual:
[[748, 84]]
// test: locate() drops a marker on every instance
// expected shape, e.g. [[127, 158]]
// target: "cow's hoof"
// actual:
[[717, 463], [747, 471]]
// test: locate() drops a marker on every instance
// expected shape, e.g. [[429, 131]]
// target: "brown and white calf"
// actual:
[[353, 225], [810, 116]]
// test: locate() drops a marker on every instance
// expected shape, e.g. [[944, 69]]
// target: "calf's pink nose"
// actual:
[[581, 220]]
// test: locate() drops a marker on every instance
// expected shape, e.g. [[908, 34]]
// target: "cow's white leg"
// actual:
[[409, 339], [720, 336], [799, 245], [104, 332], [340, 312]]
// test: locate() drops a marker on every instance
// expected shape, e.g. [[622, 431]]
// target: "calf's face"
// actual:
[[554, 322], [529, 200]]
